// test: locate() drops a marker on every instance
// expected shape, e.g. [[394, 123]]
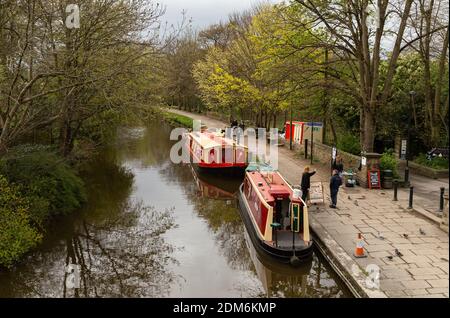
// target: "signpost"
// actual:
[[373, 178], [363, 161], [403, 149], [333, 158]]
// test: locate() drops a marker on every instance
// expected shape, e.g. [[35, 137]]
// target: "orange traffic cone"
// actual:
[[359, 251]]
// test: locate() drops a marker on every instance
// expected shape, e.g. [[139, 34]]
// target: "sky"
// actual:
[[205, 12]]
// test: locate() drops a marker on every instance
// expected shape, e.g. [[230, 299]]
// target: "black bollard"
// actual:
[[395, 190], [406, 175], [411, 193], [306, 148], [441, 201]]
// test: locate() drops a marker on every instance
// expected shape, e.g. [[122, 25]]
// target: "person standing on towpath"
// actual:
[[335, 183], [306, 182]]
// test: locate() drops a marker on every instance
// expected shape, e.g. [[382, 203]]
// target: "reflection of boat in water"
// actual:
[[275, 216], [212, 151], [215, 187], [279, 277]]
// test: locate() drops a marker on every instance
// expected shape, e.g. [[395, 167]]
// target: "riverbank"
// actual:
[[422, 270], [37, 185]]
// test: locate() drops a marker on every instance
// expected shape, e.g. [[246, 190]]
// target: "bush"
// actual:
[[17, 236], [45, 179], [178, 119], [389, 162], [349, 143], [435, 163]]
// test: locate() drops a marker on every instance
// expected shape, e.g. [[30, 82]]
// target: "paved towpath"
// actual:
[[422, 267]]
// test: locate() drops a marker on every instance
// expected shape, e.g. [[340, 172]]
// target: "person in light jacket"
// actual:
[[335, 183]]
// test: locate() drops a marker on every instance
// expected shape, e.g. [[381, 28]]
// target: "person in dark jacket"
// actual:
[[338, 165], [335, 183], [306, 182]]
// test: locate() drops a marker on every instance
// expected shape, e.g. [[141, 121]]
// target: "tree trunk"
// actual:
[[369, 131]]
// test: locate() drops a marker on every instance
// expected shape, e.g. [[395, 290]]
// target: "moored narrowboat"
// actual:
[[213, 151], [275, 216]]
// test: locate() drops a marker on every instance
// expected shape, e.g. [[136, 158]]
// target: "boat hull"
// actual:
[[282, 255]]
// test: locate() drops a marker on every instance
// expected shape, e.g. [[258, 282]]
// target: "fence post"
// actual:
[[395, 190], [441, 200], [411, 194], [306, 148]]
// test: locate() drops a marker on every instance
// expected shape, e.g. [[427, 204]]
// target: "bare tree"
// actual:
[[429, 25]]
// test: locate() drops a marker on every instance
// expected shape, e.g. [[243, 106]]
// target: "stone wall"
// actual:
[[322, 153], [427, 172]]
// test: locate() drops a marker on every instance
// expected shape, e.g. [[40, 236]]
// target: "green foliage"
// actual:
[[389, 162], [349, 143], [178, 119], [435, 163], [17, 236], [50, 184]]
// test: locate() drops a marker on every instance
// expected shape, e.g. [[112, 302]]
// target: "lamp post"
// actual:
[[408, 145], [290, 131], [312, 140]]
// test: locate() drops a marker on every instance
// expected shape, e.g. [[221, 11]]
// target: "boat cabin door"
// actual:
[[296, 217]]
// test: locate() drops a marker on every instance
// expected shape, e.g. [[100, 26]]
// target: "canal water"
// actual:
[[152, 228]]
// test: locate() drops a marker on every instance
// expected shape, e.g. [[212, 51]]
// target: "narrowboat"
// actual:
[[213, 151], [275, 216]]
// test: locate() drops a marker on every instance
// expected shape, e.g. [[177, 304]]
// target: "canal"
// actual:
[[152, 228]]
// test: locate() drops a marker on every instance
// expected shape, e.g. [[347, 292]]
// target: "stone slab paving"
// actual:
[[422, 267]]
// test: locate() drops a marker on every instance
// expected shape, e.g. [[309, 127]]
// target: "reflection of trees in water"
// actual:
[[313, 279], [125, 256], [317, 283], [222, 217], [148, 146]]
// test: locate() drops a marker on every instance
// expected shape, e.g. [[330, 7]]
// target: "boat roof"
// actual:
[[259, 166], [213, 139], [270, 184]]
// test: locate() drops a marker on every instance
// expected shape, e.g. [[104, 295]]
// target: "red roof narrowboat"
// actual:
[[275, 216], [213, 151]]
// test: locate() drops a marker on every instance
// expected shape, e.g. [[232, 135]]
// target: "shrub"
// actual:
[[349, 143], [389, 162], [435, 163], [48, 182], [178, 119], [17, 236]]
